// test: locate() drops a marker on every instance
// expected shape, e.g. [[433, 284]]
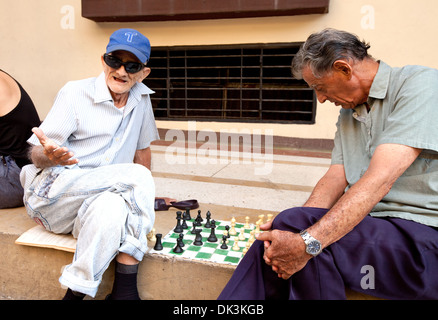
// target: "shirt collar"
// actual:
[[380, 83], [103, 94]]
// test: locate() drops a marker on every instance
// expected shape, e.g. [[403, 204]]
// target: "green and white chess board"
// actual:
[[208, 251]]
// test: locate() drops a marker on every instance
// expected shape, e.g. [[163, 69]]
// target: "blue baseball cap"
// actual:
[[130, 40]]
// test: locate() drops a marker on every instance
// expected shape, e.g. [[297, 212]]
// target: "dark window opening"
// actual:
[[229, 83]]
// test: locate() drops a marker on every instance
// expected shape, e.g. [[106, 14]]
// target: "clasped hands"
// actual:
[[285, 251]]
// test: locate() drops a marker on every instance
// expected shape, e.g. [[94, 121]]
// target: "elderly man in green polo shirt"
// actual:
[[371, 222]]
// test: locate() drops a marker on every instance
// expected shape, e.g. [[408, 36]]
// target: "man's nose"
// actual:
[[321, 98], [122, 70]]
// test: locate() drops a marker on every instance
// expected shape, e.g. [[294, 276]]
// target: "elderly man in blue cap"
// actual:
[[91, 169]]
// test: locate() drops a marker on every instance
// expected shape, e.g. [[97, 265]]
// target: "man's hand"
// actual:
[[285, 251], [55, 154]]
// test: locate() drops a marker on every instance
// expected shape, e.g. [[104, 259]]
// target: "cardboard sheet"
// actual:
[[40, 237]]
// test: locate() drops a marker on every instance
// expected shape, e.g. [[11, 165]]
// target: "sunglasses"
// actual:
[[116, 63]]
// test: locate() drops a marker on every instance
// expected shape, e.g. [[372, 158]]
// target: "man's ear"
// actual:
[[146, 71], [344, 67]]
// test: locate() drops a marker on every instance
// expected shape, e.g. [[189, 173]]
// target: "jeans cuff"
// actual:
[[134, 247], [80, 285]]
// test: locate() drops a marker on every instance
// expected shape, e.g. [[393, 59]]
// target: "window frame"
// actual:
[[305, 116]]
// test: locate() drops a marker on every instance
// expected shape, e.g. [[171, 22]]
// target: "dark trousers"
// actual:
[[384, 257]]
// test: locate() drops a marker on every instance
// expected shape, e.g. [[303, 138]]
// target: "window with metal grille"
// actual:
[[251, 83]]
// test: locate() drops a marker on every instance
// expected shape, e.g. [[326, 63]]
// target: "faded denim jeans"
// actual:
[[109, 209], [11, 191]]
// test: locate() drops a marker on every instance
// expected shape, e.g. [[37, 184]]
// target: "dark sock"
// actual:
[[125, 283], [73, 295]]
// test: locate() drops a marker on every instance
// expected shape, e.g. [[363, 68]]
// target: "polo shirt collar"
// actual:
[[380, 83]]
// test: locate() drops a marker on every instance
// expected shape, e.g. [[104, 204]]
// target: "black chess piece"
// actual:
[[193, 231], [199, 216], [198, 238], [228, 231], [184, 223], [188, 217], [178, 248], [208, 223], [158, 246], [224, 242], [181, 238], [212, 237], [197, 222], [178, 228], [198, 219]]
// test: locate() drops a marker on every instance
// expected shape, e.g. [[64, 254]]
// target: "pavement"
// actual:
[[227, 181]]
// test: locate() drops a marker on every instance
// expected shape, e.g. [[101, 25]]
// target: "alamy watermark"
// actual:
[[368, 281], [68, 17], [243, 146]]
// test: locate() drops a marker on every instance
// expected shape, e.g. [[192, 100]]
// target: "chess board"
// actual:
[[208, 251]]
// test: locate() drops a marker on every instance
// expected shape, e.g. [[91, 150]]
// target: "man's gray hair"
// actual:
[[323, 48]]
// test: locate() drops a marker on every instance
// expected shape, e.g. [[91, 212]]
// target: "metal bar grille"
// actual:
[[229, 83]]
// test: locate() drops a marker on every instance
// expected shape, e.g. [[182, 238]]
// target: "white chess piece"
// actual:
[[242, 234], [246, 226], [151, 235], [236, 244], [233, 231]]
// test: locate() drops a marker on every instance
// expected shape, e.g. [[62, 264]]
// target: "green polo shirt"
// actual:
[[403, 110]]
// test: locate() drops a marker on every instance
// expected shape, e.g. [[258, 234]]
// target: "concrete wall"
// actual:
[[46, 43]]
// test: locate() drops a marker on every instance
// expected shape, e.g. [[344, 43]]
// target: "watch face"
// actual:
[[314, 247]]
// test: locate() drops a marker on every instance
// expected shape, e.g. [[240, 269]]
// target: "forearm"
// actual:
[[349, 211], [143, 157], [329, 188], [49, 154], [387, 165]]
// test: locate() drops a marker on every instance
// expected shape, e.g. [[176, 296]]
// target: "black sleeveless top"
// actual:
[[15, 129]]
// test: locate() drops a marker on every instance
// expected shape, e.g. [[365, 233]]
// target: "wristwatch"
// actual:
[[313, 246]]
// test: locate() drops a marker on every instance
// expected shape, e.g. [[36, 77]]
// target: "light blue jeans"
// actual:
[[109, 209], [11, 191]]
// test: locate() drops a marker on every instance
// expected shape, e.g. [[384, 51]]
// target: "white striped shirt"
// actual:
[[85, 120]]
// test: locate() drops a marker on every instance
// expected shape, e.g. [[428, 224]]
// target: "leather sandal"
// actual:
[[160, 204]]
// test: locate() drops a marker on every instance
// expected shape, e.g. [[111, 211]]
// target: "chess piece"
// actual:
[[236, 244], [178, 248], [188, 214], [261, 217], [270, 215], [251, 238], [208, 223], [242, 234], [184, 223], [181, 238], [233, 231], [246, 226], [257, 229], [224, 242], [151, 234], [158, 245], [212, 237], [193, 231], [227, 231], [198, 238], [178, 228], [245, 250], [198, 219]]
